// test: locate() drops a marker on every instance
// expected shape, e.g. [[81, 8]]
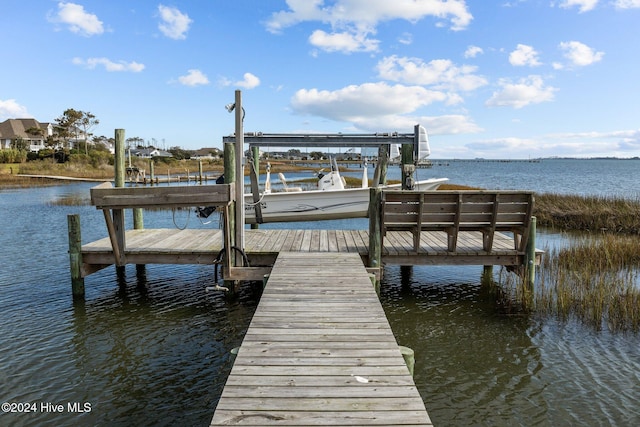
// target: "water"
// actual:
[[153, 349]]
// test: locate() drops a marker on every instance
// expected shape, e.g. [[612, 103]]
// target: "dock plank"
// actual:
[[200, 246], [315, 355]]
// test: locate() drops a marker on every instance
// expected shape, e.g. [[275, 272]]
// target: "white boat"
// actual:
[[330, 201]]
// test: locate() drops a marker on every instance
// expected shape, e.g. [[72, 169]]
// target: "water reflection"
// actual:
[[158, 334], [473, 363], [151, 347]]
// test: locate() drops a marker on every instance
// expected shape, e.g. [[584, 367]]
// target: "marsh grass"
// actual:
[[594, 279], [70, 200], [588, 213]]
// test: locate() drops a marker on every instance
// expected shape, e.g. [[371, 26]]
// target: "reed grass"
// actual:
[[594, 279], [588, 213]]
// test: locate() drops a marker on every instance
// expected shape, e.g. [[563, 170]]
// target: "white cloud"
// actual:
[[406, 38], [369, 13], [524, 55], [109, 65], [10, 109], [361, 103], [473, 51], [343, 42], [627, 4], [174, 24], [580, 54], [583, 5], [74, 16], [501, 145], [352, 21], [440, 73], [530, 90], [249, 81], [194, 78], [435, 125]]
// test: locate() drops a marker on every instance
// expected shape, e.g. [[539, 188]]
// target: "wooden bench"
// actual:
[[453, 211]]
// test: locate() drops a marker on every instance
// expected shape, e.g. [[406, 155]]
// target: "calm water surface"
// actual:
[[153, 348]]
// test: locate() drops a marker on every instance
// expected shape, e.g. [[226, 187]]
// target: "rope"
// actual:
[[258, 202], [174, 219]]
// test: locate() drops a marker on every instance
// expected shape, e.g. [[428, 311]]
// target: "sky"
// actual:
[[503, 79]]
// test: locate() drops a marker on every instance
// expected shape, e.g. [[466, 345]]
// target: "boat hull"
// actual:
[[318, 205]]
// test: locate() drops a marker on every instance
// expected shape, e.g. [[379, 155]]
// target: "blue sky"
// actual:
[[494, 79]]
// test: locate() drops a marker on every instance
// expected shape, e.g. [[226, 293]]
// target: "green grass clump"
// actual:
[[594, 279], [588, 213]]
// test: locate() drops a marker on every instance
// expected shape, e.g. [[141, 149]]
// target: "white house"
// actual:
[[12, 130], [148, 153]]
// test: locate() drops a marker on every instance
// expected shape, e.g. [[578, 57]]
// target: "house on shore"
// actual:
[[149, 153], [31, 132], [207, 154]]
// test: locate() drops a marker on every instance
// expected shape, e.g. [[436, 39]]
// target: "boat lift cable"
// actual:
[[173, 211], [256, 203], [218, 260]]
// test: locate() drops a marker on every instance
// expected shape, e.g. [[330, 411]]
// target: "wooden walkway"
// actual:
[[193, 246], [320, 351]]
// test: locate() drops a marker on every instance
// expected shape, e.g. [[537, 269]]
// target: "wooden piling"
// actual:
[[407, 165], [255, 174], [239, 170], [380, 175], [229, 177], [409, 358], [375, 241], [487, 275], [118, 214], [75, 256], [530, 266], [152, 170]]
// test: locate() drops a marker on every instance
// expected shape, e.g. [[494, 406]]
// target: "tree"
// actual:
[[67, 125], [179, 153], [73, 122], [87, 121], [135, 141]]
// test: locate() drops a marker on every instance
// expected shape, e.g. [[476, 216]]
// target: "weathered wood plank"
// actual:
[[198, 246], [301, 330], [105, 197], [320, 418]]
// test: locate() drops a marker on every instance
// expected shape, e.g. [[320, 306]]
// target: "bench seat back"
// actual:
[[459, 210]]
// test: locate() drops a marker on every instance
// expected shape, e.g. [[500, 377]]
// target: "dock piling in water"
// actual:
[[75, 255]]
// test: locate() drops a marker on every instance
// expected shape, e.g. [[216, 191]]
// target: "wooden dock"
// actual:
[[320, 351], [198, 246]]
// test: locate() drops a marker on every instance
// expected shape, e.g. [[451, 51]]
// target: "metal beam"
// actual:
[[259, 139]]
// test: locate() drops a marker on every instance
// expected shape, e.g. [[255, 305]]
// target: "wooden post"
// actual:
[[229, 177], [138, 224], [383, 163], [152, 170], [239, 153], [407, 165], [230, 224], [255, 189], [200, 170], [530, 258], [375, 239], [409, 358], [118, 214], [75, 256], [487, 275]]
